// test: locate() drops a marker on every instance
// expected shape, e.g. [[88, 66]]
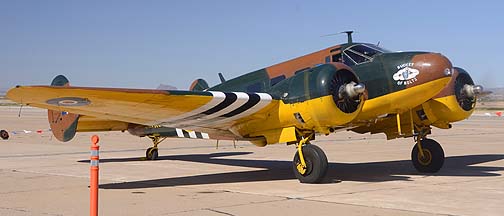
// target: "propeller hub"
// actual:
[[472, 90], [351, 90]]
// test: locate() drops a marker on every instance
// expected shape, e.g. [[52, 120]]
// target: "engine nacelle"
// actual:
[[320, 99], [454, 103]]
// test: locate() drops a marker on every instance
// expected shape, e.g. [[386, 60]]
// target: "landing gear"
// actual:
[[427, 156], [309, 163], [152, 152]]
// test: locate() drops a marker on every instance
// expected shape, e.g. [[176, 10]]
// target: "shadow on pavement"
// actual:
[[282, 170]]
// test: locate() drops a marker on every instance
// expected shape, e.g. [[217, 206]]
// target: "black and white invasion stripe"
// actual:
[[223, 107], [191, 134]]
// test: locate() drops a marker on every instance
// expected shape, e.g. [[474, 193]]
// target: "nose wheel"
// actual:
[[427, 156]]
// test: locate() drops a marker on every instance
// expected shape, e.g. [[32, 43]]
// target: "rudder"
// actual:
[[63, 124], [199, 85]]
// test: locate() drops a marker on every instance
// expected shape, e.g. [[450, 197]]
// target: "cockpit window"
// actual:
[[361, 53], [357, 58]]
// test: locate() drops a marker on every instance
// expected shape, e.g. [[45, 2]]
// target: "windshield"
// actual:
[[361, 53]]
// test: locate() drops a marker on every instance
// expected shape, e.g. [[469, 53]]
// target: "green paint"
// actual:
[[69, 132], [377, 74], [257, 80], [201, 85], [59, 80], [180, 92]]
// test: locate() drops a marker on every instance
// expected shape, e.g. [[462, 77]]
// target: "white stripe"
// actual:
[[205, 136], [265, 99], [192, 134], [218, 97], [179, 132], [242, 98]]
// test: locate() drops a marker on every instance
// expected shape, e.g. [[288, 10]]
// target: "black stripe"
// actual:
[[253, 100], [230, 99], [186, 134], [198, 135]]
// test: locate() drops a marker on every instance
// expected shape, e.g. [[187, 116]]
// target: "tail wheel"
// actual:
[[432, 159], [316, 164], [151, 153]]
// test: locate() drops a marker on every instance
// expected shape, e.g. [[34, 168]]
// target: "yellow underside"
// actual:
[[319, 115], [133, 107], [444, 110], [92, 124], [401, 101]]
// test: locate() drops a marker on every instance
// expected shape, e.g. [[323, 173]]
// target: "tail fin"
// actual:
[[63, 124], [199, 85]]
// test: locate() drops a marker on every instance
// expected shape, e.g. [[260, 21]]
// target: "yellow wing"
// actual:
[[206, 111]]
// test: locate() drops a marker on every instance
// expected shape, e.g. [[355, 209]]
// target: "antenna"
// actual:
[[348, 33], [221, 77], [349, 36]]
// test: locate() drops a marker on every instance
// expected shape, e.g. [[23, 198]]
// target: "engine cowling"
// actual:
[[318, 99], [455, 102]]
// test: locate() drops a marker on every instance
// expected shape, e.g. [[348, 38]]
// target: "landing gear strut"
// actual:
[[152, 152], [310, 162], [427, 155]]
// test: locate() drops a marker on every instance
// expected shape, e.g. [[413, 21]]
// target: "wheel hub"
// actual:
[[426, 159], [301, 169]]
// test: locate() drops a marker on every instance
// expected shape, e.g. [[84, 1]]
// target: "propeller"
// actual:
[[346, 92], [466, 91]]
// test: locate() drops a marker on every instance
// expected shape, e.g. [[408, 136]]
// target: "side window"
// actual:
[[276, 80], [327, 59], [256, 87], [336, 58]]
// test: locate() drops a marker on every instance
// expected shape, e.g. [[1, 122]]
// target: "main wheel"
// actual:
[[151, 153], [433, 158], [316, 164], [4, 134]]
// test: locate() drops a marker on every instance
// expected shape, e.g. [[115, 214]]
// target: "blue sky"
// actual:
[[140, 44]]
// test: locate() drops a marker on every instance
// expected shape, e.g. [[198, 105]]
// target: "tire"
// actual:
[[434, 157], [316, 164], [4, 134], [151, 153]]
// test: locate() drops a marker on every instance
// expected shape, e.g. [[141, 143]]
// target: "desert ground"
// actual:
[[368, 175]]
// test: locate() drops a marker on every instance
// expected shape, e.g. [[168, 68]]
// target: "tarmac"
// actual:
[[368, 175]]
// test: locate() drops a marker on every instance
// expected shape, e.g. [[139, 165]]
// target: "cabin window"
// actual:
[[336, 58], [276, 80], [256, 87], [327, 59]]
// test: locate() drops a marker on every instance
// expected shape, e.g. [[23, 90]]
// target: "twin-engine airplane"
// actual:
[[352, 86]]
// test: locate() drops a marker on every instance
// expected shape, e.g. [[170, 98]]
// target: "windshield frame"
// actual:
[[368, 58]]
